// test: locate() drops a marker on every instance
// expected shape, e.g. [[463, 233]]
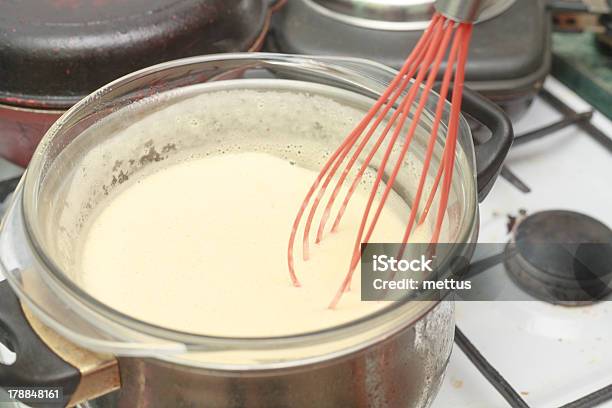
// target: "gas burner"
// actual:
[[562, 257]]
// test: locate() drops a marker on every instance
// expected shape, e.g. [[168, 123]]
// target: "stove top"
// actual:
[[551, 355], [535, 353]]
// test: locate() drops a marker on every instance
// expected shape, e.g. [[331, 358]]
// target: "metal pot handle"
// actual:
[[490, 155], [42, 358]]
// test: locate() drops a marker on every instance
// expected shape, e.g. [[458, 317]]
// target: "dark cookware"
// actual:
[[54, 52]]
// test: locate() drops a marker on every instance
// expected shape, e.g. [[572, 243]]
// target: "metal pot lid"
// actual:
[[54, 52], [397, 15]]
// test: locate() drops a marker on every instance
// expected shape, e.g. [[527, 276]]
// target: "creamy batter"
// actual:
[[200, 246]]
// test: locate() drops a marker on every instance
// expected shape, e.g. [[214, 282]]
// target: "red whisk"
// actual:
[[447, 37]]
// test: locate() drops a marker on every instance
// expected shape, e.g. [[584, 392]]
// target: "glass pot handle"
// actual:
[[36, 365], [490, 155]]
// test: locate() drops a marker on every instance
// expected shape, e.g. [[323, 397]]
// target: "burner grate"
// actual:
[[480, 362], [507, 391]]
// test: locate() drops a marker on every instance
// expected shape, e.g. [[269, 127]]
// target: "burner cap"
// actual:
[[562, 257]]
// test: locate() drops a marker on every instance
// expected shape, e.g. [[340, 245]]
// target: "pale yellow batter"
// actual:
[[200, 246]]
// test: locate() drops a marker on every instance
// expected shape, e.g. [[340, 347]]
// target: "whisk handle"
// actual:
[[490, 155]]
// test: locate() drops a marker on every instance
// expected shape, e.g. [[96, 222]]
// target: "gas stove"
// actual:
[[532, 353], [550, 355]]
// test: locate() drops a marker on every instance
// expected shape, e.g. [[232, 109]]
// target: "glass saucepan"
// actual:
[[81, 160]]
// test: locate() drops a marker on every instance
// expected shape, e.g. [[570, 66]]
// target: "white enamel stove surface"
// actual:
[[552, 355]]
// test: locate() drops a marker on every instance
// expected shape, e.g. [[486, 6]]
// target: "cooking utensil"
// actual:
[[394, 357], [425, 59], [54, 53]]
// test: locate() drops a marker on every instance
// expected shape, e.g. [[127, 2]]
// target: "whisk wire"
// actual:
[[349, 165], [451, 141], [413, 126], [405, 75], [407, 104], [364, 141], [365, 164], [448, 75], [425, 61], [400, 110], [338, 153]]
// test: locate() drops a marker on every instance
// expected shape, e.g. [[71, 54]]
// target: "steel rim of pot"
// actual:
[[390, 15]]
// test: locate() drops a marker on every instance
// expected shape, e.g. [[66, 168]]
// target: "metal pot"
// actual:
[[507, 69], [54, 53], [395, 357]]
